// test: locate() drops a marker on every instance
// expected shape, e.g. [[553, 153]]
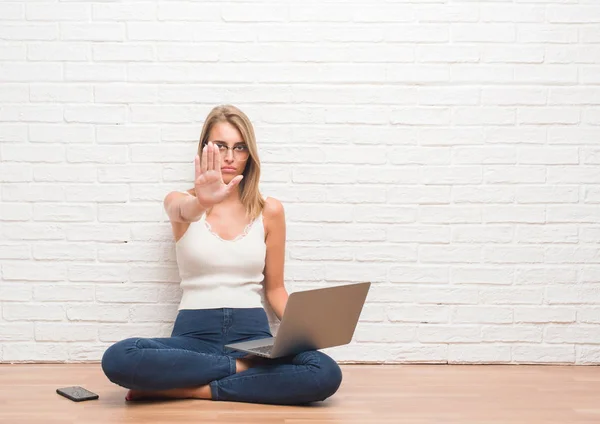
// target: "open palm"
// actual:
[[208, 181]]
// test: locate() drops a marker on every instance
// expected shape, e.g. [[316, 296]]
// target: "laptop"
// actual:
[[313, 319]]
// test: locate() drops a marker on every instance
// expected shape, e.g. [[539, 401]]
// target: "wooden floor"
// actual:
[[441, 394]]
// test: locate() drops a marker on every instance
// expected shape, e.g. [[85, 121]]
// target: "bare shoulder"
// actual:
[[274, 216], [273, 209]]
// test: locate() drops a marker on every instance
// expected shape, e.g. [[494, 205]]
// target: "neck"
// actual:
[[231, 203], [234, 197]]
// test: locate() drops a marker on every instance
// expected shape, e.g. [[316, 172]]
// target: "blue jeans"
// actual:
[[195, 355]]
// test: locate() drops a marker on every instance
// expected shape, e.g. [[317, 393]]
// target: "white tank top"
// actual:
[[219, 273]]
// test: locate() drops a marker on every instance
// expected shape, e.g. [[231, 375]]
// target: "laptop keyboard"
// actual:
[[264, 350]]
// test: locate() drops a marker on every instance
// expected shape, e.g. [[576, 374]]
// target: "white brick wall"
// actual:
[[445, 150]]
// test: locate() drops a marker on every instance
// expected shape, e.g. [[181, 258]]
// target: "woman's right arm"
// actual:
[[182, 207]]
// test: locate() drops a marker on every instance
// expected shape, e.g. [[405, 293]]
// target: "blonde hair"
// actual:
[[249, 192]]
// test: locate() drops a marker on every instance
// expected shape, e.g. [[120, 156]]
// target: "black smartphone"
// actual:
[[76, 393]]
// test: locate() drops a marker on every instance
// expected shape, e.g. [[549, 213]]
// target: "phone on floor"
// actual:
[[76, 393]]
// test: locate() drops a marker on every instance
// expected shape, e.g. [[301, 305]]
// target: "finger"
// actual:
[[217, 159], [211, 156], [204, 167], [196, 167], [235, 182]]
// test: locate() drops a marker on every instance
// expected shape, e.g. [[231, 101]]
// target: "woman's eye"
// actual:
[[241, 148]]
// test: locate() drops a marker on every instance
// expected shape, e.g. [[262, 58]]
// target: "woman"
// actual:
[[230, 245]]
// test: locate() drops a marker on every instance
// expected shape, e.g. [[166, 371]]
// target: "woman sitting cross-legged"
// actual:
[[230, 247]]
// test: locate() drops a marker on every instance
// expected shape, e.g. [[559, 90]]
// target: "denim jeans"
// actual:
[[195, 355]]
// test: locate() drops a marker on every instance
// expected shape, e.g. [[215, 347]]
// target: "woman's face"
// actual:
[[233, 149]]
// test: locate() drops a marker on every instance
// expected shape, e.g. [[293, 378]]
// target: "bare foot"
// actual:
[[134, 395], [242, 364], [202, 392]]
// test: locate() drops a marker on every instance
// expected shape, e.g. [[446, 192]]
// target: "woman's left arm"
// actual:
[[275, 291]]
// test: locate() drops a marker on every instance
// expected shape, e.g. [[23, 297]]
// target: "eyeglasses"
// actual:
[[240, 151]]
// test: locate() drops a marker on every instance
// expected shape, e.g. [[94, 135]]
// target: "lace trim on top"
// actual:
[[239, 237]]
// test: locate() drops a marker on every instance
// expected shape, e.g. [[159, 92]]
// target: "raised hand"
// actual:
[[208, 181]]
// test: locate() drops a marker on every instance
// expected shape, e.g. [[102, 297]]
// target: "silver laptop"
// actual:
[[313, 319]]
